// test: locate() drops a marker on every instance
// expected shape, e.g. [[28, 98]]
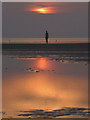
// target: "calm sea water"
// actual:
[[44, 86]]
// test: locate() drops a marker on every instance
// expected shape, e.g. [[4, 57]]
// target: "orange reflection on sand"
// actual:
[[43, 91], [41, 86], [42, 63]]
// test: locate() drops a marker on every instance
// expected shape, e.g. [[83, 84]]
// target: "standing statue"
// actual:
[[46, 37]]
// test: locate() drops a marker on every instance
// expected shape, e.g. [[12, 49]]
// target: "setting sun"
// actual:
[[42, 10]]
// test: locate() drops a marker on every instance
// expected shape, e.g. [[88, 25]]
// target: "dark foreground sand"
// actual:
[[47, 47]]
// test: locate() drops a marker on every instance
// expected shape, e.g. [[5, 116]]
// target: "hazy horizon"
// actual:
[[42, 40]]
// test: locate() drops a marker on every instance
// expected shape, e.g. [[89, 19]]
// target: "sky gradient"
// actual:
[[32, 19]]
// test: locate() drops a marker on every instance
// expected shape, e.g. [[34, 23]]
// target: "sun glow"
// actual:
[[48, 8], [42, 10]]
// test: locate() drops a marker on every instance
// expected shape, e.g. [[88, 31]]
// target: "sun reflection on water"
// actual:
[[42, 63], [43, 90]]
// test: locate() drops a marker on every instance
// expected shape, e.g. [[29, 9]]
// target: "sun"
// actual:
[[42, 10]]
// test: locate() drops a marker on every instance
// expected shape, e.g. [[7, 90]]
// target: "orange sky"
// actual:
[[47, 8]]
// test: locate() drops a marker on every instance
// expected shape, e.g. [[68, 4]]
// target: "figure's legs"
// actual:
[[47, 41]]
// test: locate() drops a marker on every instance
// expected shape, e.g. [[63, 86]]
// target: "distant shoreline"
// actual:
[[47, 47]]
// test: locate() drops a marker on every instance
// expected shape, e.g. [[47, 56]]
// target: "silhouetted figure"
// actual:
[[46, 36]]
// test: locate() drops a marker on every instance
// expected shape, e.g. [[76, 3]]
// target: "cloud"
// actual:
[[66, 111]]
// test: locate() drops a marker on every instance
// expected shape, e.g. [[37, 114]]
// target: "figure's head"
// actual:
[[46, 31]]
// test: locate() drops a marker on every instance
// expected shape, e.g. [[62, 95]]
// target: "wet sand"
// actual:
[[47, 47], [46, 119], [22, 53]]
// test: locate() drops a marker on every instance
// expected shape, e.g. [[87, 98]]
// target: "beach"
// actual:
[[46, 119], [44, 84], [47, 47]]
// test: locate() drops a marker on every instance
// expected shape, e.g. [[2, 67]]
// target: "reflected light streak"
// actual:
[[29, 88], [42, 63]]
